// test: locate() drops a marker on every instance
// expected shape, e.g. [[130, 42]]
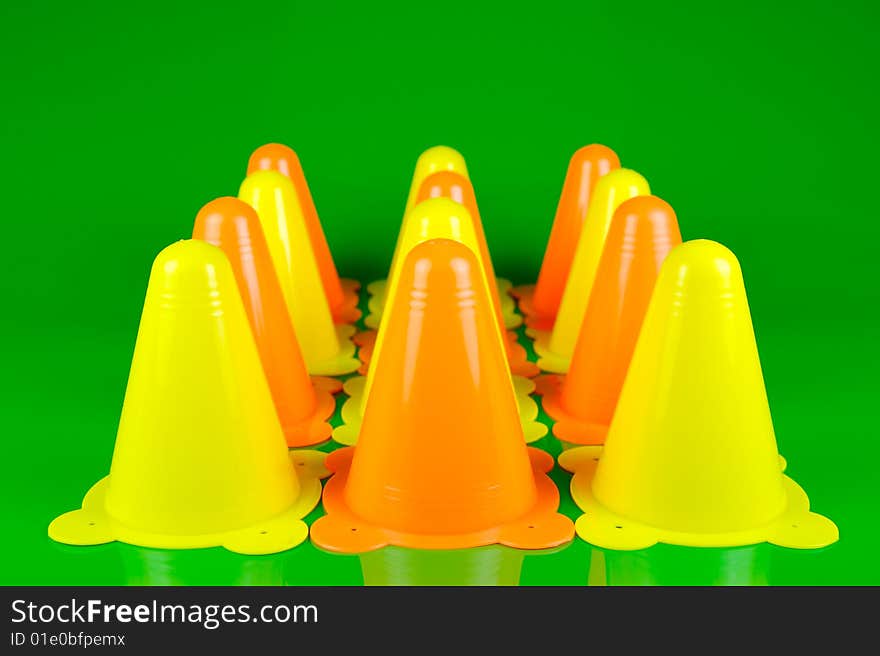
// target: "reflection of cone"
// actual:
[[200, 459], [691, 457], [494, 564], [448, 184], [556, 348], [327, 349], [540, 302], [582, 402], [342, 295], [668, 565], [437, 158], [160, 567], [435, 218], [303, 404], [441, 462]]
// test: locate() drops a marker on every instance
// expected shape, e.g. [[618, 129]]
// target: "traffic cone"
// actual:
[[491, 565], [432, 219], [582, 402], [327, 348], [436, 158], [303, 404], [449, 184], [441, 462], [691, 456], [200, 458], [556, 347], [342, 294], [540, 302]]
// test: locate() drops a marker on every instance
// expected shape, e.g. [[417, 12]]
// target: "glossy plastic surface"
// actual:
[[540, 302], [342, 295], [691, 455], [200, 458], [441, 461], [643, 231], [327, 348], [436, 158], [556, 347], [449, 184], [303, 404], [435, 218]]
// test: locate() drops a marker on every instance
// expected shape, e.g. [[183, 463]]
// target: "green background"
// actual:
[[757, 121]]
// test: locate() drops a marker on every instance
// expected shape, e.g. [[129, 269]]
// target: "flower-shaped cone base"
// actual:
[[342, 531], [92, 524], [796, 527]]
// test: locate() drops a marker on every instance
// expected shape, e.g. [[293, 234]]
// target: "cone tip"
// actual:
[[703, 256], [440, 207], [593, 153], [263, 178], [188, 256]]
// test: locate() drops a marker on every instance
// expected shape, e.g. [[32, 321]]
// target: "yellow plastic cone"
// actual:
[[556, 348], [434, 159], [435, 218], [691, 456], [327, 348], [200, 457]]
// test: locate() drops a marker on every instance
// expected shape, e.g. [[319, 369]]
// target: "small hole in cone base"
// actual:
[[353, 529], [531, 526], [794, 525], [618, 527], [263, 532], [91, 523]]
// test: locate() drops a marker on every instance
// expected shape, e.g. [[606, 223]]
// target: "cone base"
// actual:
[[517, 358], [508, 306], [796, 527], [348, 432], [316, 429], [344, 362], [568, 428], [548, 360], [340, 530], [532, 316], [347, 311], [376, 304], [93, 525]]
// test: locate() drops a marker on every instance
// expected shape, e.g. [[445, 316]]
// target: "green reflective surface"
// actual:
[[757, 123]]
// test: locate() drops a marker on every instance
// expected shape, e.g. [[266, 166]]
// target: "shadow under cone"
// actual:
[[436, 158], [441, 462], [691, 455], [303, 404], [540, 302], [327, 348], [200, 459], [643, 231], [434, 218], [342, 296], [556, 347]]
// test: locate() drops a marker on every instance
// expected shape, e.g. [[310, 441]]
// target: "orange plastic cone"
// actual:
[[643, 230], [303, 404], [441, 461], [540, 302], [342, 294]]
